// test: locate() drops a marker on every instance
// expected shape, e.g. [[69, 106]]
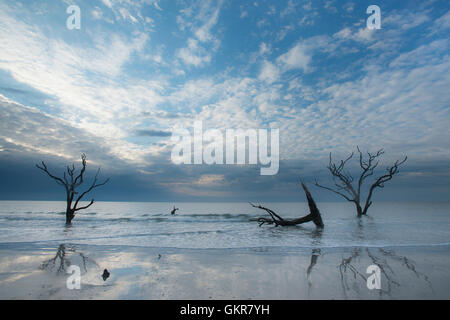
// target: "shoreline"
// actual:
[[23, 245]]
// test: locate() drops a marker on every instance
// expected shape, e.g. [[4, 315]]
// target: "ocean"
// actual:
[[224, 225], [216, 251]]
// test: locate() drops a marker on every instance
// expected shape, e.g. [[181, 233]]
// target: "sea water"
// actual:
[[223, 225]]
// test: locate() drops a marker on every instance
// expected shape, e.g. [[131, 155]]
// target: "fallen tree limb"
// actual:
[[313, 216]]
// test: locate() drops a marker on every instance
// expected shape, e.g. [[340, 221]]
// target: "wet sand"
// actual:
[[39, 272]]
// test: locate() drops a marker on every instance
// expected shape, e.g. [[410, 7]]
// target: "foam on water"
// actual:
[[224, 225]]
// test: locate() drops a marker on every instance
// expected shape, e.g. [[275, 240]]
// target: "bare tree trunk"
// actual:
[[70, 214], [359, 210]]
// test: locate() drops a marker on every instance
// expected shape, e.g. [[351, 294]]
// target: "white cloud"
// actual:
[[363, 35], [243, 12], [193, 54], [442, 24], [269, 72], [349, 7], [297, 57], [395, 108], [264, 48], [424, 55], [308, 19], [126, 15], [107, 3], [199, 47], [211, 180], [329, 5], [156, 5], [284, 31], [97, 13], [405, 20], [129, 10], [290, 9], [204, 32], [25, 129], [99, 103]]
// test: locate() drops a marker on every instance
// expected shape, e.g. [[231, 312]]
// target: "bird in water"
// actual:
[[105, 275], [174, 210]]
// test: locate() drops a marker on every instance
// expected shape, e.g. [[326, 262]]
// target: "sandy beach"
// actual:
[[265, 273]]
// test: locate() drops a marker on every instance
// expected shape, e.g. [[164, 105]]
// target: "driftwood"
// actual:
[[174, 210], [313, 216]]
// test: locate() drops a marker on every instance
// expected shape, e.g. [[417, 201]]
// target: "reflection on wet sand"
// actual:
[[353, 277], [314, 256], [347, 281], [154, 273], [63, 259], [316, 237], [352, 274], [383, 258]]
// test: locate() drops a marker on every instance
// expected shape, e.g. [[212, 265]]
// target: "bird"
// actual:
[[105, 275]]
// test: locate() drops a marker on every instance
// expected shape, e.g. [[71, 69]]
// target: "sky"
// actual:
[[134, 71]]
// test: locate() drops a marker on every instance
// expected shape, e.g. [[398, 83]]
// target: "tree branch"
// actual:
[[85, 207], [379, 183], [58, 180], [80, 176], [335, 191], [93, 186]]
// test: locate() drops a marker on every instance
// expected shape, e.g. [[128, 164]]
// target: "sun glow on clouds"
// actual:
[[210, 179]]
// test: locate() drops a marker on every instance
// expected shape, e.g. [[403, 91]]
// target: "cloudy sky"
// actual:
[[135, 70]]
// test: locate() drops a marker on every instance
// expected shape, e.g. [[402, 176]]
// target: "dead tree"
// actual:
[[71, 182], [344, 182], [313, 216]]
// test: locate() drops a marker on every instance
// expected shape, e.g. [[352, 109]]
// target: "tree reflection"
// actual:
[[64, 257], [352, 278], [354, 262]]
